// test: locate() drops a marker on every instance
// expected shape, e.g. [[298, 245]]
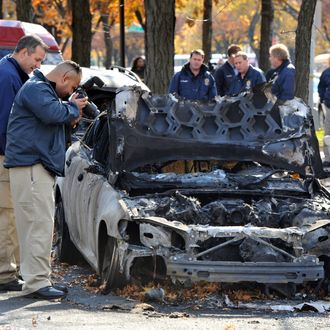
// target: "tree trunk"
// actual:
[[107, 41], [266, 33], [159, 44], [1, 12], [251, 32], [303, 43], [65, 44], [81, 32], [24, 10], [207, 30]]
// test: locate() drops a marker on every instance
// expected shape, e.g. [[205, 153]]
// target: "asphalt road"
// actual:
[[83, 309]]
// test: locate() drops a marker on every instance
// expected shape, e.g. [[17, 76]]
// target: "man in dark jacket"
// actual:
[[14, 70], [282, 73], [194, 81], [226, 73], [324, 93], [35, 153], [247, 77]]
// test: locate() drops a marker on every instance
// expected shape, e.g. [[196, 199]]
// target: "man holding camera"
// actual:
[[14, 70], [35, 154]]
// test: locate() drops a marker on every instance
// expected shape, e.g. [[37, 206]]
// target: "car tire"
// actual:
[[64, 247], [111, 276]]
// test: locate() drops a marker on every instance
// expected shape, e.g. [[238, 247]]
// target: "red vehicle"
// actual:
[[11, 31]]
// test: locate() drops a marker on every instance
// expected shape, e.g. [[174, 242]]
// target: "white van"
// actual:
[[321, 62], [182, 59]]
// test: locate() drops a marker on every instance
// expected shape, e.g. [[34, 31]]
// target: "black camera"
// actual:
[[90, 111]]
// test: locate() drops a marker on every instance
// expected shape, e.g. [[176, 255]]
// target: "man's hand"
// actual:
[[80, 103]]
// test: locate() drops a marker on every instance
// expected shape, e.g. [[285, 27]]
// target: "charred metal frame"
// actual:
[[184, 265]]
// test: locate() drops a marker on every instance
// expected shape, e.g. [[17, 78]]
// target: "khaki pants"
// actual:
[[9, 251], [33, 198]]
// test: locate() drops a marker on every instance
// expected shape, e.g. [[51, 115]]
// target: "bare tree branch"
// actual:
[[140, 19], [290, 9]]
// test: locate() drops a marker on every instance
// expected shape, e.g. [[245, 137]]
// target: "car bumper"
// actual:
[[261, 272]]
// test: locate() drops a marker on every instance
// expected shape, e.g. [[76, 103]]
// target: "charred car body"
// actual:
[[224, 191]]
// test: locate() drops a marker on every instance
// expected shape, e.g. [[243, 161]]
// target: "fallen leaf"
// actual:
[[229, 326], [34, 321]]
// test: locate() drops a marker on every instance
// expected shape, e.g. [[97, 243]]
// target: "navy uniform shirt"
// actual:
[[187, 85], [252, 78], [283, 80], [224, 77], [324, 87], [12, 79]]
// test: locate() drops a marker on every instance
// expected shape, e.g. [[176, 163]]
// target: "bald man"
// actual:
[[35, 154]]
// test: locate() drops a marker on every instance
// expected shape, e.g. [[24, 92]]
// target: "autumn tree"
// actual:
[[303, 44], [252, 35], [266, 33], [55, 16], [159, 44], [81, 32], [107, 18], [24, 10]]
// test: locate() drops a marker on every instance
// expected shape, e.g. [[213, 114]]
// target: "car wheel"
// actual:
[[111, 277], [65, 250]]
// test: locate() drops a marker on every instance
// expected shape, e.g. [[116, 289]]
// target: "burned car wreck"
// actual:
[[224, 191]]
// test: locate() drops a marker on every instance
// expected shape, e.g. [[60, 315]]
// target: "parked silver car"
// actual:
[[224, 191]]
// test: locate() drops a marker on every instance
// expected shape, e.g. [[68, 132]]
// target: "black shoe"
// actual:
[[14, 285], [61, 287], [48, 292]]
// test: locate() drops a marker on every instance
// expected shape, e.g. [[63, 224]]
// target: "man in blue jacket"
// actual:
[[324, 93], [14, 70], [282, 73], [247, 77], [225, 75], [194, 81], [35, 153]]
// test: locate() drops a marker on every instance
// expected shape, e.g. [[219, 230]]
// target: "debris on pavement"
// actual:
[[155, 294], [320, 306], [176, 315], [142, 308]]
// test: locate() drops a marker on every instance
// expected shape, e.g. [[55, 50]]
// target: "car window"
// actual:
[[101, 142], [88, 137], [53, 58], [97, 138]]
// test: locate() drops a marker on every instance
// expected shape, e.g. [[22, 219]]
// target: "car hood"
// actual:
[[150, 129], [113, 78]]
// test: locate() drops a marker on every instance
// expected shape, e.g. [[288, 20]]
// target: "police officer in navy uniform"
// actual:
[[247, 77], [226, 73], [282, 73], [194, 81]]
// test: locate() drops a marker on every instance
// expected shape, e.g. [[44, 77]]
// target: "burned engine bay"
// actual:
[[254, 197]]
